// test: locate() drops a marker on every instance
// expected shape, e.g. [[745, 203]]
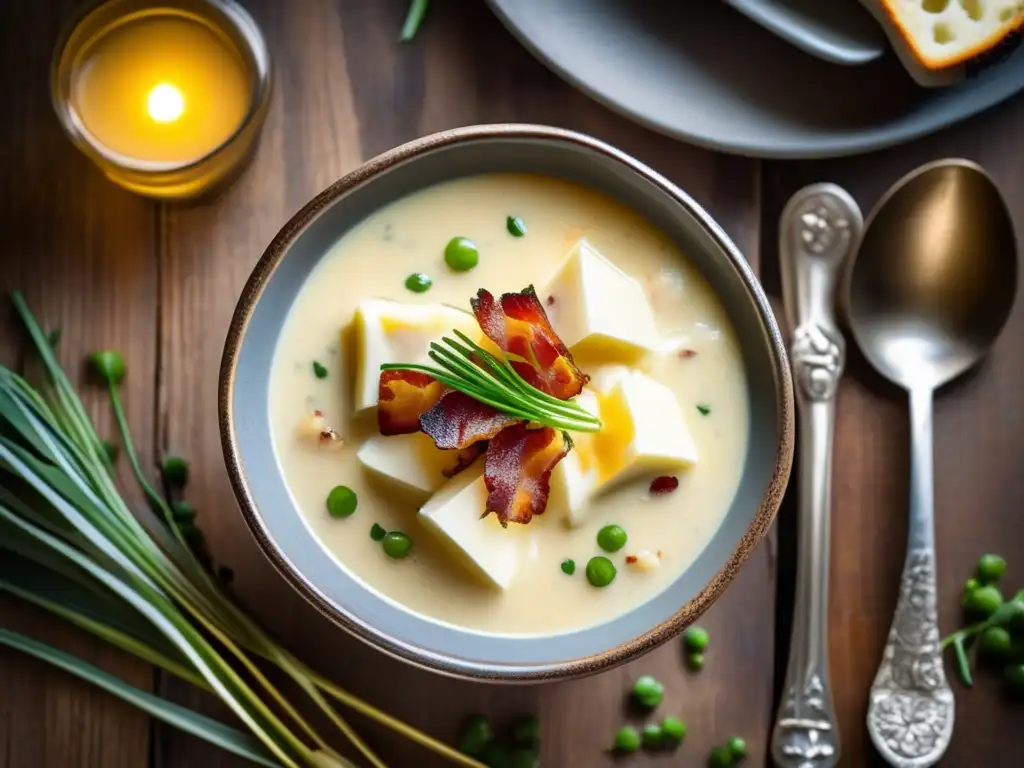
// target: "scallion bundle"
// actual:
[[70, 544]]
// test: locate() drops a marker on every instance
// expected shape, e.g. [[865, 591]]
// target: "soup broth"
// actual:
[[697, 358]]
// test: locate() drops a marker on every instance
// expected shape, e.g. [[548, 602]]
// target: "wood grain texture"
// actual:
[[346, 90], [979, 439], [82, 252]]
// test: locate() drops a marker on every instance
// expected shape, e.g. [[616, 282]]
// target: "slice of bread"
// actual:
[[943, 33]]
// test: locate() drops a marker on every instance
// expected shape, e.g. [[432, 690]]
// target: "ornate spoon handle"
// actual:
[[910, 714], [820, 227]]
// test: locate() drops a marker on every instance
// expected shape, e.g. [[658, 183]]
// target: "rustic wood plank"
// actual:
[[81, 250], [346, 90], [979, 438]]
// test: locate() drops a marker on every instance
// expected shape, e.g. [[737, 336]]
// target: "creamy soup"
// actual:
[[697, 358]]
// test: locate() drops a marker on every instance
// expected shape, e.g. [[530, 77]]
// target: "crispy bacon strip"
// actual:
[[517, 470], [458, 421], [465, 458], [518, 324], [404, 396]]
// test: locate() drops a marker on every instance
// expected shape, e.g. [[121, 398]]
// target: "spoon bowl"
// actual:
[[936, 275]]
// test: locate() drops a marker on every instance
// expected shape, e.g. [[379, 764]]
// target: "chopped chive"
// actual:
[[569, 566], [319, 370], [417, 10], [378, 532], [418, 282], [704, 409], [516, 226]]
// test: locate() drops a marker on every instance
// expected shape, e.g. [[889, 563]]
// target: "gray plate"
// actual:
[[715, 78]]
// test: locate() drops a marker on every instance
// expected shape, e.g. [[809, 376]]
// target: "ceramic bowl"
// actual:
[[345, 599]]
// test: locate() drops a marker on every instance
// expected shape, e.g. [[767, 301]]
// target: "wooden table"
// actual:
[[159, 283]]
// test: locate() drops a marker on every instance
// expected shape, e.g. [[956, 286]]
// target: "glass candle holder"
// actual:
[[167, 98]]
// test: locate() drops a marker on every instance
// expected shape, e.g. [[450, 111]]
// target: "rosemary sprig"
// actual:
[[466, 366]]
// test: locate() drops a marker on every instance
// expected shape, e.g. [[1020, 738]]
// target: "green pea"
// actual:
[[990, 568], [396, 544], [738, 747], [627, 739], [600, 571], [461, 254], [516, 226], [524, 758], [673, 730], [569, 566], [494, 755], [526, 731], [652, 737], [175, 471], [648, 692], [1014, 675], [418, 282], [720, 757], [378, 532], [611, 538], [695, 661], [696, 639], [474, 735], [319, 370], [341, 501], [995, 643], [984, 601], [1015, 616], [108, 365]]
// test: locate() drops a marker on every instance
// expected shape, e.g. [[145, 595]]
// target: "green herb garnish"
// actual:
[[319, 370], [418, 282], [413, 19], [568, 566], [496, 383], [704, 409], [378, 532], [515, 226]]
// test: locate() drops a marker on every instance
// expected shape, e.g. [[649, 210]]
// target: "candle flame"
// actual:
[[165, 103]]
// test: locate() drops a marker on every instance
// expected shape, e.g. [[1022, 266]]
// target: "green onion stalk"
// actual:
[[70, 544], [466, 366]]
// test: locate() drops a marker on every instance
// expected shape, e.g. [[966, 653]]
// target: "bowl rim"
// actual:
[[278, 249]]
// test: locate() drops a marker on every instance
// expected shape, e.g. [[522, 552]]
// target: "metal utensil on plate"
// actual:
[[928, 292], [819, 229]]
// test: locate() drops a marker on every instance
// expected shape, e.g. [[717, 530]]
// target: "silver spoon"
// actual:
[[930, 289]]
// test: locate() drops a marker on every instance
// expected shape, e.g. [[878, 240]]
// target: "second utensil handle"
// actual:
[[911, 678], [819, 228]]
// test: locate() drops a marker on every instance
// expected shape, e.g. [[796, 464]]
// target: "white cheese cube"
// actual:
[[643, 433], [598, 310], [393, 332], [410, 461], [486, 549]]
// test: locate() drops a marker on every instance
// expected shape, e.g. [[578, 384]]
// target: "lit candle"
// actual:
[[167, 98]]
